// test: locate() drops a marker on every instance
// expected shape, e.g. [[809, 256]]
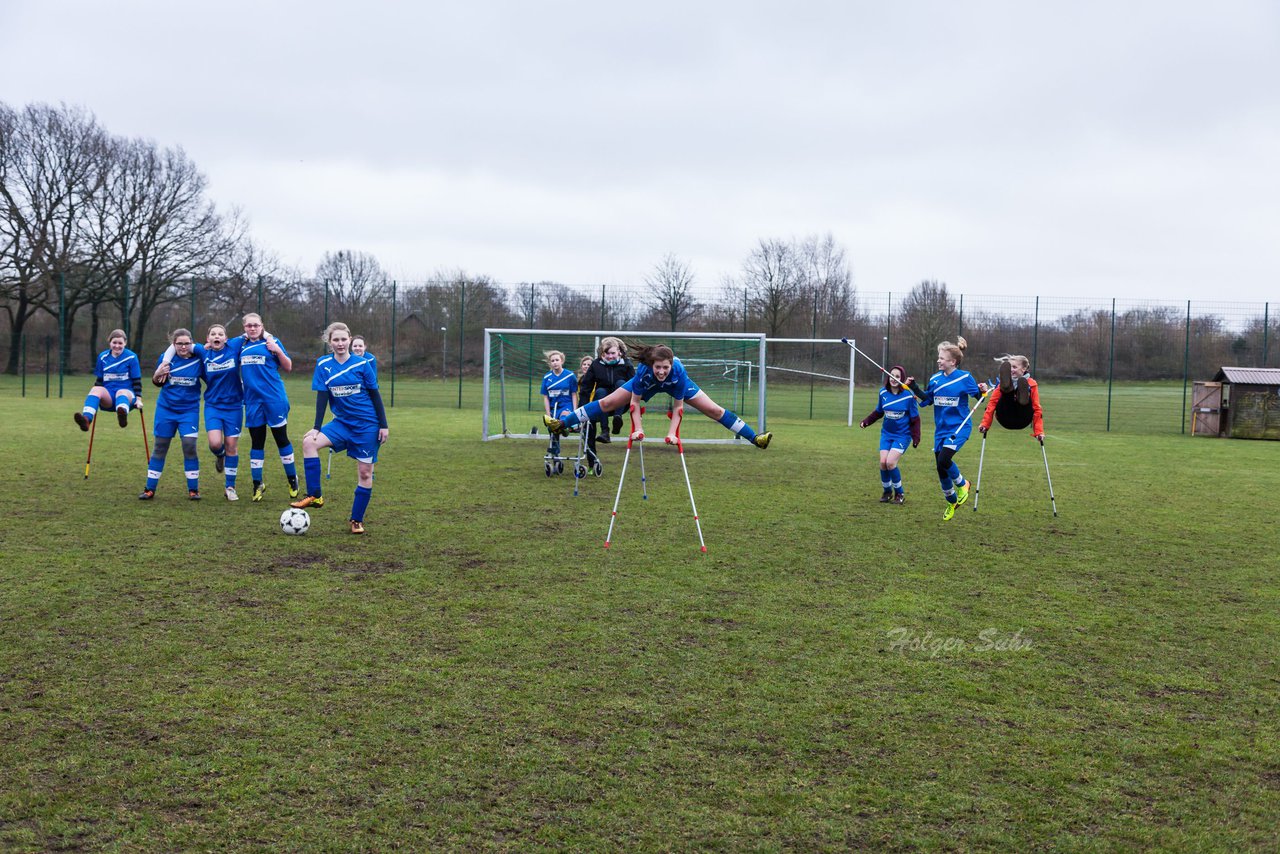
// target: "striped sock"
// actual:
[[286, 458], [737, 425], [230, 464]]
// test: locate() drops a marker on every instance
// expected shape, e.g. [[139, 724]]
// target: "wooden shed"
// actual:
[[1240, 403]]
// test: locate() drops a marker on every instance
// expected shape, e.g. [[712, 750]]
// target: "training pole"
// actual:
[[874, 362], [680, 447], [93, 427], [1048, 477]]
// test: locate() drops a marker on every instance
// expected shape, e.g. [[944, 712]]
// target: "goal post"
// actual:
[[799, 360], [729, 367]]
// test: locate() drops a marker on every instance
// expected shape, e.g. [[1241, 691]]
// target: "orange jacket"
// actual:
[[1037, 415]]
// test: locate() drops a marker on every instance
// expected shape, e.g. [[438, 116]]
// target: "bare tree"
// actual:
[[355, 281], [51, 162], [829, 283], [927, 317], [671, 291], [773, 276]]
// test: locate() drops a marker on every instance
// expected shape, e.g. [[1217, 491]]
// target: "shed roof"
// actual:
[[1249, 376]]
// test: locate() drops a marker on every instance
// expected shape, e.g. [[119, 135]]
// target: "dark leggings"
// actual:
[[943, 457], [258, 436]]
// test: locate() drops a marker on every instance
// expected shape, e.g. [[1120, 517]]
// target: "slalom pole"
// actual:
[[680, 447], [901, 382], [93, 427], [977, 484], [1048, 477], [613, 517]]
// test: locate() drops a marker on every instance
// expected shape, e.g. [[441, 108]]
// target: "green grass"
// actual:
[[478, 672]]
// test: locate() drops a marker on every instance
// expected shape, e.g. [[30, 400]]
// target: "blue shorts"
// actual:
[[266, 413], [168, 423], [894, 443], [944, 440], [360, 446], [225, 418], [689, 390]]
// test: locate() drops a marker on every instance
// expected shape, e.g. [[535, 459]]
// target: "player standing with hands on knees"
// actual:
[[347, 384], [897, 405], [659, 370], [948, 392]]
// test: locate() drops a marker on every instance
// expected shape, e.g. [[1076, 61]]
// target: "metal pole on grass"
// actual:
[[1266, 329], [977, 484], [192, 324], [62, 330], [462, 334], [48, 340], [1186, 366], [1111, 362], [1035, 338], [393, 344]]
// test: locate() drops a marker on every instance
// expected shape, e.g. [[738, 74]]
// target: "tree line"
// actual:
[[98, 230]]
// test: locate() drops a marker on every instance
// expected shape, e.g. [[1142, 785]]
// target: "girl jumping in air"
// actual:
[[117, 382], [897, 406], [948, 391], [1015, 403], [659, 370], [349, 385]]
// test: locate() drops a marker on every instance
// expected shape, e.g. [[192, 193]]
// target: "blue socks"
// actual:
[[256, 456], [360, 503], [738, 426], [885, 483], [311, 469], [91, 409], [574, 417], [230, 462], [895, 476], [286, 457], [155, 468]]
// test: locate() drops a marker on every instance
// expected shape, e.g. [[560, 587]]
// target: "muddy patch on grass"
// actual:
[[280, 563], [369, 568]]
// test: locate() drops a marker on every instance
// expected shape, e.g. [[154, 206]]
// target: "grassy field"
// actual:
[[479, 673]]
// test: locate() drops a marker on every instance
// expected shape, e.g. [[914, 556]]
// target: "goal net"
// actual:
[[727, 366]]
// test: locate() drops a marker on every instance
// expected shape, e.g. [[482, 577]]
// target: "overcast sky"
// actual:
[[1095, 149]]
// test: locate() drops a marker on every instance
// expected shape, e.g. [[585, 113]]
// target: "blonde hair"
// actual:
[[956, 350], [1021, 360], [547, 354], [336, 326], [249, 315], [610, 342]]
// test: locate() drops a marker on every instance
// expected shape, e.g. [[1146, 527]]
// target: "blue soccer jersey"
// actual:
[[348, 384], [223, 387], [949, 395], [899, 411], [677, 384], [117, 372], [181, 392], [560, 390], [260, 373]]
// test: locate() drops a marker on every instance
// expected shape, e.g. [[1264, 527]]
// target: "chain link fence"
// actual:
[[1119, 364]]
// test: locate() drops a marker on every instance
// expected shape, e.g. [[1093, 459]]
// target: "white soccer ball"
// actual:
[[294, 521]]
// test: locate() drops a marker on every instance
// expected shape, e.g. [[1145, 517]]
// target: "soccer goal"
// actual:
[[727, 366]]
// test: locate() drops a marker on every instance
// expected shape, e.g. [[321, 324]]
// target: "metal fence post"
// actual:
[[960, 321], [1266, 330], [462, 333], [1035, 338], [393, 345], [193, 307], [259, 296], [62, 330], [124, 305], [24, 364], [1111, 362], [1186, 366], [602, 287]]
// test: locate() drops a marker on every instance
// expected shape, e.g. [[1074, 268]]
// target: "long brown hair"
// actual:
[[647, 354]]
